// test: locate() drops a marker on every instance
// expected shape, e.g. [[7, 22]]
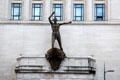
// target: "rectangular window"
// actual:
[[16, 11], [78, 14], [37, 11], [58, 8], [99, 12]]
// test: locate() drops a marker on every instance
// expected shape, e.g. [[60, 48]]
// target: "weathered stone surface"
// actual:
[[55, 56], [80, 69], [52, 76]]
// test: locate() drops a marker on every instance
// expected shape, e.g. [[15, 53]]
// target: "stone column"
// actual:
[[26, 10], [89, 10], [47, 10], [67, 10]]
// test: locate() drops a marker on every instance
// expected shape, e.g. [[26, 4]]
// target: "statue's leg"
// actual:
[[53, 40], [59, 41]]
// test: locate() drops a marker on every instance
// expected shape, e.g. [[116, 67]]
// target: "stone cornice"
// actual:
[[73, 22]]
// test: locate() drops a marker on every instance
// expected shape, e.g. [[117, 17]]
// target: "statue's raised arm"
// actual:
[[51, 17]]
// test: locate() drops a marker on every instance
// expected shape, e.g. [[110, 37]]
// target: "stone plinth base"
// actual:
[[38, 68]]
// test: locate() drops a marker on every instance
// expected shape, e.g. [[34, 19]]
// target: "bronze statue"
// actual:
[[54, 55], [55, 28]]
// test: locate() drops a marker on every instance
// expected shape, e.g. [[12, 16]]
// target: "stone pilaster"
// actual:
[[26, 10], [89, 10], [68, 13], [47, 9]]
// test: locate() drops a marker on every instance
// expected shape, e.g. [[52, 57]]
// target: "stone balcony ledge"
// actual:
[[78, 65]]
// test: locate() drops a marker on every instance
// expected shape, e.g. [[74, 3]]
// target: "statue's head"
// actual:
[[55, 20]]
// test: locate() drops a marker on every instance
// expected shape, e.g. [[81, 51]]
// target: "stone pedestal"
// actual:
[[72, 68]]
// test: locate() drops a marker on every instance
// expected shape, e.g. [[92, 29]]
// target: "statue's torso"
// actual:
[[55, 27]]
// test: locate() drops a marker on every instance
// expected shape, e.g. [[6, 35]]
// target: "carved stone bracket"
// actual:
[[55, 56]]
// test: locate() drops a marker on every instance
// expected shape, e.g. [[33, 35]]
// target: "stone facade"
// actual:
[[99, 39]]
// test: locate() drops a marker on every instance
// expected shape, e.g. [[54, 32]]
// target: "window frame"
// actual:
[[82, 12], [96, 18], [61, 10], [19, 13], [40, 11]]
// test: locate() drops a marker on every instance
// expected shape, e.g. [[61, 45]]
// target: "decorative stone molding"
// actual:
[[73, 23], [37, 68], [70, 65]]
